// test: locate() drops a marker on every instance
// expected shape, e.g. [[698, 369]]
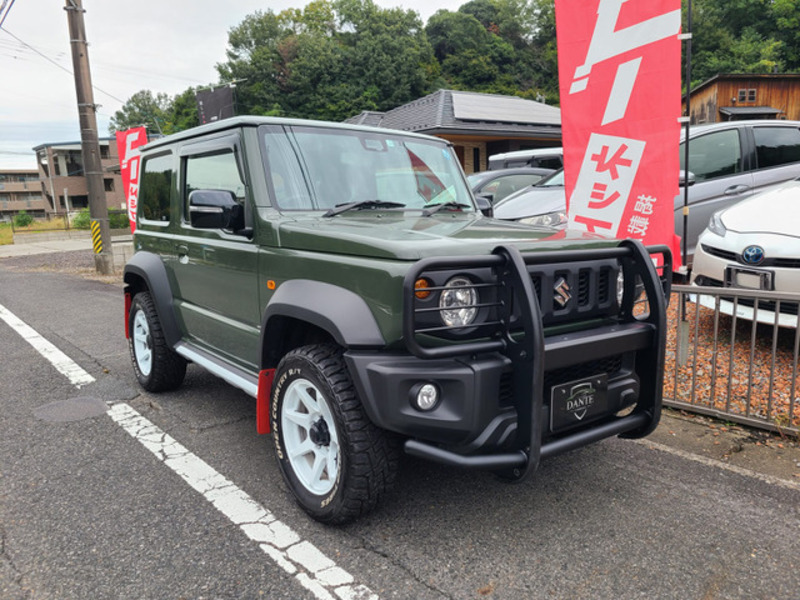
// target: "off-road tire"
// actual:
[[366, 458], [165, 369]]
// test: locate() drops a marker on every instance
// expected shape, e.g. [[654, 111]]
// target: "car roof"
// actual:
[[695, 130], [531, 152], [516, 171], [255, 121]]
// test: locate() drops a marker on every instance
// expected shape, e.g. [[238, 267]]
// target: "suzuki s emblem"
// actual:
[[562, 295], [753, 255]]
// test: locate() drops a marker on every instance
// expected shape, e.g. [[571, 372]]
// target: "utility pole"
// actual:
[[90, 146]]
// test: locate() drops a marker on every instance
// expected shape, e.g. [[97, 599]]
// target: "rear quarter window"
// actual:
[[776, 146], [155, 189]]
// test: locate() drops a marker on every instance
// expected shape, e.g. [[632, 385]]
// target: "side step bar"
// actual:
[[233, 375]]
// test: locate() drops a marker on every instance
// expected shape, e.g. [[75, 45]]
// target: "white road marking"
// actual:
[[63, 363], [712, 462], [305, 562], [300, 558]]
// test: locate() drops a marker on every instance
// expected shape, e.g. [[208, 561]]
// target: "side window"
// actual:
[[217, 171], [284, 175], [549, 162], [155, 188], [714, 155], [776, 146]]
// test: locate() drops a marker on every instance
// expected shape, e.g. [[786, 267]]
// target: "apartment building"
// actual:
[[20, 190], [62, 176]]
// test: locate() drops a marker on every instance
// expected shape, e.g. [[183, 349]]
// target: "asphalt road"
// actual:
[[88, 511]]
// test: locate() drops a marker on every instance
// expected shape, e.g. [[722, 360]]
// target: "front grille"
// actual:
[[708, 281], [584, 287], [720, 253], [609, 364], [588, 288], [784, 263]]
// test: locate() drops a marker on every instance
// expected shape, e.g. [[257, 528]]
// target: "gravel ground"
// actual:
[[78, 262]]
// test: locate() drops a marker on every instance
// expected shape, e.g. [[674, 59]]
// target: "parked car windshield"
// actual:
[[345, 166], [556, 179]]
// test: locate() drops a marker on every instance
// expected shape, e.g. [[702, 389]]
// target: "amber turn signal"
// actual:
[[420, 286]]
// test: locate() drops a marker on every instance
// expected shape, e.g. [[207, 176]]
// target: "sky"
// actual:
[[160, 45]]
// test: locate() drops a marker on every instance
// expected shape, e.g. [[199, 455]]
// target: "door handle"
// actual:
[[735, 190]]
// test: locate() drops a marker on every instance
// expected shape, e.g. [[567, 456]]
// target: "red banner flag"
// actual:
[[127, 144], [619, 76]]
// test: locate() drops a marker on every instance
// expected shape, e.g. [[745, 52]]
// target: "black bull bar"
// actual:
[[531, 353]]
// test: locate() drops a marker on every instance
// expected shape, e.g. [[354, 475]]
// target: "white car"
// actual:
[[754, 244]]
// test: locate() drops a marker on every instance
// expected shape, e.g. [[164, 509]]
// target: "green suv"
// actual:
[[345, 278]]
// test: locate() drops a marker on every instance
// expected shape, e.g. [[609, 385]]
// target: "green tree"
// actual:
[[330, 60], [143, 108], [159, 113]]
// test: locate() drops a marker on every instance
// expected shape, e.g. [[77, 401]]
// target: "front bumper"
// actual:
[[477, 412], [495, 410], [718, 265]]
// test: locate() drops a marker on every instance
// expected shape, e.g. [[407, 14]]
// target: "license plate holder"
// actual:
[[577, 402], [748, 278]]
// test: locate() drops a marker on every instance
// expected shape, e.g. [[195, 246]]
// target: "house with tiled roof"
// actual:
[[478, 125]]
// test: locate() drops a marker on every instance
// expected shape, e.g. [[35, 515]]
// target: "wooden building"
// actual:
[[734, 97]]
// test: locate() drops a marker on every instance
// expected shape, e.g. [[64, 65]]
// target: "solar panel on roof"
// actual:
[[503, 109]]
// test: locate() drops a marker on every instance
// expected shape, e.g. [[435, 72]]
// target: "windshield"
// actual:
[[556, 179], [342, 166]]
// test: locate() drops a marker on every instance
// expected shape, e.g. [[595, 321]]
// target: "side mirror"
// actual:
[[686, 179], [484, 205], [215, 209]]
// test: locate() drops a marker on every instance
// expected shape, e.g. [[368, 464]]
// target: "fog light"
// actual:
[[427, 397]]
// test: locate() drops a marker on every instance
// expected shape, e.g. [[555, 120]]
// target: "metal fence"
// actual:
[[52, 222], [733, 354]]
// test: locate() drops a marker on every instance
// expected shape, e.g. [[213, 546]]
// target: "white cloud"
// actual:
[[161, 45]]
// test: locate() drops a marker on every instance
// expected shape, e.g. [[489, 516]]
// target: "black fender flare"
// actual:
[[340, 312], [150, 268]]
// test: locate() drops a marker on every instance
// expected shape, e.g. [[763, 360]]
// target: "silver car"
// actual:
[[728, 162], [732, 161]]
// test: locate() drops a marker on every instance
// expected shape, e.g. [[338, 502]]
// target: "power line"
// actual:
[[8, 10], [50, 60]]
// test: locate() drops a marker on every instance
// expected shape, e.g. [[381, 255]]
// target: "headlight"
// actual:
[[553, 219], [620, 287], [715, 224], [457, 302]]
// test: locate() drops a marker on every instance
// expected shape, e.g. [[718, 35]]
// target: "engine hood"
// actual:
[[776, 211], [532, 201], [405, 237]]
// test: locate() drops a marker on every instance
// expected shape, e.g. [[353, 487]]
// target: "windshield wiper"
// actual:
[[432, 210], [361, 205]]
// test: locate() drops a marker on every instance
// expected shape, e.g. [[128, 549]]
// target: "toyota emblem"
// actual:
[[753, 255]]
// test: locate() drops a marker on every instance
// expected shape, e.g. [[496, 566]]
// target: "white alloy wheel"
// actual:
[[310, 437], [142, 343]]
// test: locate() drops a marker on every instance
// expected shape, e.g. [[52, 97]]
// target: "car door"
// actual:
[[716, 160], [216, 271]]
